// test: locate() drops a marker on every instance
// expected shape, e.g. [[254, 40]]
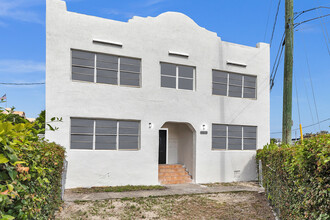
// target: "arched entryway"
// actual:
[[176, 156]]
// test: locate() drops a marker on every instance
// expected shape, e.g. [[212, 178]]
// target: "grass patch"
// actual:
[[80, 201], [240, 205], [127, 188], [249, 184], [219, 184]]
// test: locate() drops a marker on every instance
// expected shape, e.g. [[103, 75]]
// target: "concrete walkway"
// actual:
[[178, 189]]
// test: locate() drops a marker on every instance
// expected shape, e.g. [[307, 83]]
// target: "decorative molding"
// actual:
[[229, 62], [110, 43], [174, 53]]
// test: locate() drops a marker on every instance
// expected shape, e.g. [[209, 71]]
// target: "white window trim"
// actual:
[[95, 68], [177, 77], [118, 72], [117, 136], [242, 95], [94, 135]]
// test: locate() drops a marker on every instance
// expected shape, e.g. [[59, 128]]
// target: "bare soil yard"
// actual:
[[230, 205]]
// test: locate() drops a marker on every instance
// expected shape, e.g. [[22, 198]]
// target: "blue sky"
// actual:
[[22, 47]]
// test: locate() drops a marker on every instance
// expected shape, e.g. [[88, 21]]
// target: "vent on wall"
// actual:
[[109, 43], [234, 63], [237, 175], [178, 54]]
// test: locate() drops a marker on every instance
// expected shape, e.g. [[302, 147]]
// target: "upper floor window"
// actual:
[[234, 137], [177, 76], [103, 68], [233, 84], [104, 134]]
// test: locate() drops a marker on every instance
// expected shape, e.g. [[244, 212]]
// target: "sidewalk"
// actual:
[[178, 189]]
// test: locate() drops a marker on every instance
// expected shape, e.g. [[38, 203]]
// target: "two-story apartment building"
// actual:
[[150, 91]]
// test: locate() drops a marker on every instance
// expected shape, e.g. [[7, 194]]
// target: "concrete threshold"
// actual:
[[177, 189]]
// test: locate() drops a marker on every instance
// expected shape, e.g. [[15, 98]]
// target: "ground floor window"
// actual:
[[104, 134], [234, 137]]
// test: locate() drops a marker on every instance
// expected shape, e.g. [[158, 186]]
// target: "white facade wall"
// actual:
[[150, 39]]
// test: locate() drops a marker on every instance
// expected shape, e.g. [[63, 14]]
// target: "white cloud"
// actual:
[[21, 66], [20, 10], [152, 2], [137, 7]]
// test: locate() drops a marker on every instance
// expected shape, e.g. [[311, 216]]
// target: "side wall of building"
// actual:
[[150, 39]]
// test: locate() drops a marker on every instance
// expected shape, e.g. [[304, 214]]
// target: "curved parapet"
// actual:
[[173, 19]]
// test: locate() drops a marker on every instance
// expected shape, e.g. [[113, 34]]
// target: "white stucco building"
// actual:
[[150, 91]]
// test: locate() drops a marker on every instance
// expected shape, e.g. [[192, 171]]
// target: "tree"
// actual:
[[273, 140], [40, 121], [8, 116]]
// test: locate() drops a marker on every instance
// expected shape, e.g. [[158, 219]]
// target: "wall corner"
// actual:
[[262, 45], [55, 5]]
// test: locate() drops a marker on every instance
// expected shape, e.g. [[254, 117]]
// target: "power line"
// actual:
[[314, 124], [324, 31], [312, 19], [278, 9], [309, 104], [323, 26], [310, 79], [270, 6], [22, 84], [307, 126], [277, 62], [297, 96], [302, 12]]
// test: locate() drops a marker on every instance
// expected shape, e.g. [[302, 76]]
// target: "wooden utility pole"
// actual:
[[288, 64]]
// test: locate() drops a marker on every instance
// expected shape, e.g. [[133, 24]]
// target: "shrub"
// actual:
[[30, 173], [297, 178]]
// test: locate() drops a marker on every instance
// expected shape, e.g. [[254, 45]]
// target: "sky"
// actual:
[[22, 47]]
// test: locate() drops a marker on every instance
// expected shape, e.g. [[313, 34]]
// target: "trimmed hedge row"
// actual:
[[30, 173], [297, 178]]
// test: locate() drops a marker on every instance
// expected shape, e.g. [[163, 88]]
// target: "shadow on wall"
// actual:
[[249, 172], [231, 171]]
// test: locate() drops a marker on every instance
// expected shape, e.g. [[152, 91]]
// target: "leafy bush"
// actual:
[[297, 178], [30, 173]]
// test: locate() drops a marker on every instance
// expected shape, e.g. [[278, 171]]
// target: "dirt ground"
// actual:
[[238, 205]]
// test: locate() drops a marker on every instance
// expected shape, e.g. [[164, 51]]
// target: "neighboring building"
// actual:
[[20, 113], [150, 91], [9, 110]]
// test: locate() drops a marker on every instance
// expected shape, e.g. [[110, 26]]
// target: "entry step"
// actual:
[[173, 174]]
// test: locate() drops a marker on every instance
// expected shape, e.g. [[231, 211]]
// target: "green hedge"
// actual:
[[297, 178], [30, 173]]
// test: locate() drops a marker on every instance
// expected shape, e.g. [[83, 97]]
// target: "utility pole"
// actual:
[[288, 66]]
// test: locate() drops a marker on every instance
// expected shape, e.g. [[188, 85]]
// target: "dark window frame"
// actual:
[[228, 84], [94, 134], [177, 76], [118, 70], [227, 137]]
